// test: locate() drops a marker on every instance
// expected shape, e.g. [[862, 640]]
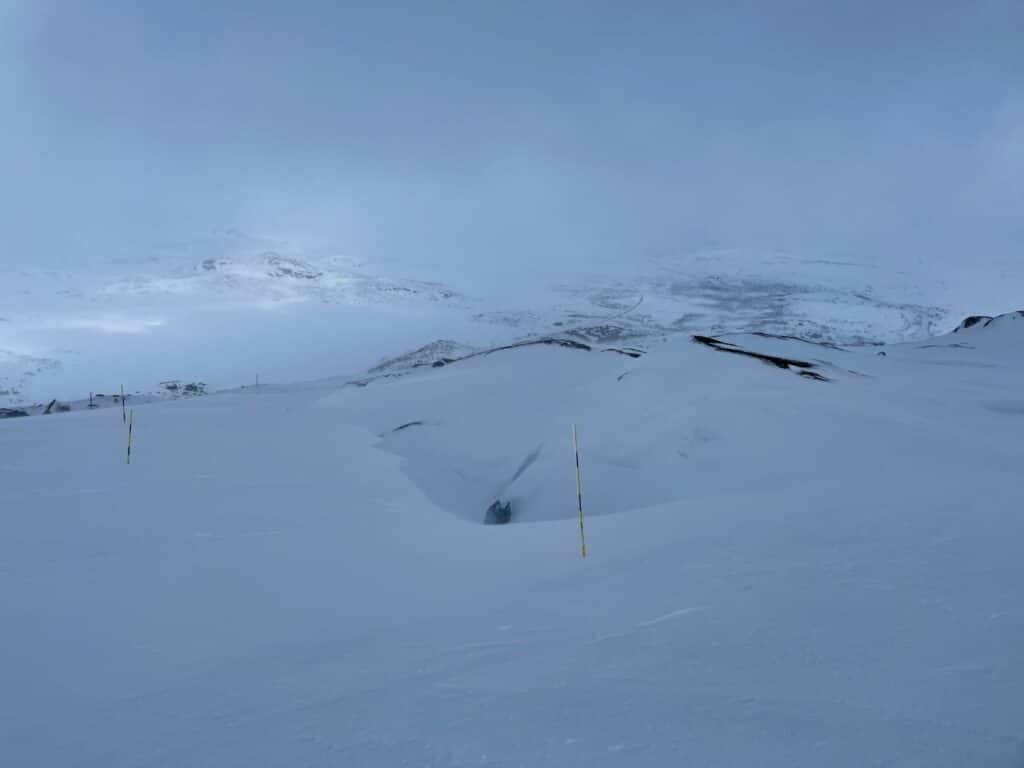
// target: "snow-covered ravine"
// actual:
[[781, 570]]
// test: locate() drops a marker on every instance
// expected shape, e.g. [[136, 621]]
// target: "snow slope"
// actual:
[[230, 306], [782, 571]]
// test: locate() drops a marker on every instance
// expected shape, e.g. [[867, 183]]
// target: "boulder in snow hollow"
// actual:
[[498, 513]]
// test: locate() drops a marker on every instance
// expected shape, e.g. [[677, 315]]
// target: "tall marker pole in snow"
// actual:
[[124, 416], [131, 418], [579, 490]]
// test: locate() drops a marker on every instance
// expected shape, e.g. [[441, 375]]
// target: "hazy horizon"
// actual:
[[542, 137]]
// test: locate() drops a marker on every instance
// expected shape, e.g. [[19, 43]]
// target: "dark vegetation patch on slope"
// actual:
[[407, 424], [803, 367], [546, 340], [627, 351], [425, 355], [442, 361]]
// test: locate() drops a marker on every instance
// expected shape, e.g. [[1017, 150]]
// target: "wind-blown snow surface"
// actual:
[[781, 571]]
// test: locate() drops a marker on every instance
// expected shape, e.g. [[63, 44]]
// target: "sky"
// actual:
[[515, 137]]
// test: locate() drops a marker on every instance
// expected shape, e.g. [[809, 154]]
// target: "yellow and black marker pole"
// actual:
[[579, 490], [131, 416]]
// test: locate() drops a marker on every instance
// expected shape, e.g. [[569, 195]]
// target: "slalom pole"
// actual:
[[131, 418], [579, 490]]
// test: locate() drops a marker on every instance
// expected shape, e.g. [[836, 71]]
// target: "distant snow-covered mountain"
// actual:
[[51, 317], [271, 276], [222, 268], [747, 290]]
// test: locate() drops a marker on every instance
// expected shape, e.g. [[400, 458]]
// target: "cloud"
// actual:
[[514, 142]]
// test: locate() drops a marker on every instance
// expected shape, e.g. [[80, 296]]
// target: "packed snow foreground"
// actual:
[[783, 569]]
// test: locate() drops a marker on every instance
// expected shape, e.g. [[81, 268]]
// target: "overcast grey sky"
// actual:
[[523, 133]]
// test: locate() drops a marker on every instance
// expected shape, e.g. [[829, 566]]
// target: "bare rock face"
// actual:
[[498, 513], [442, 350], [973, 320], [286, 266], [984, 320]]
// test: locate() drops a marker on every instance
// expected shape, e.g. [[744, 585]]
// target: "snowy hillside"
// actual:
[[223, 309], [782, 569], [229, 307], [734, 290]]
